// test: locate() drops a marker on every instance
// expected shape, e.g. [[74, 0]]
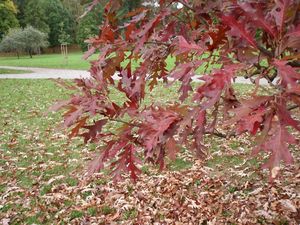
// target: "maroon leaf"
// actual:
[[183, 46], [214, 85], [285, 116], [280, 13], [238, 29], [249, 108], [172, 148], [257, 17], [289, 76], [277, 145], [218, 37], [93, 130], [252, 121], [156, 123], [127, 162], [57, 106], [72, 116]]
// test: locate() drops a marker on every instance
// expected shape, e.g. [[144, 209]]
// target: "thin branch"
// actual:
[[125, 122], [222, 56], [293, 107], [221, 135], [179, 19], [158, 43], [186, 5], [248, 76], [192, 9], [294, 63], [265, 51]]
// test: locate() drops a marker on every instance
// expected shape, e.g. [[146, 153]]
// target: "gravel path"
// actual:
[[46, 73]]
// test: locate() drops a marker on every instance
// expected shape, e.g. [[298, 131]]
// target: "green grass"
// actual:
[[180, 164], [76, 214], [130, 214], [11, 71], [74, 61], [106, 210], [57, 61]]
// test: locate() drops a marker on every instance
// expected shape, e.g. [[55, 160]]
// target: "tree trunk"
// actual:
[[30, 53], [18, 55]]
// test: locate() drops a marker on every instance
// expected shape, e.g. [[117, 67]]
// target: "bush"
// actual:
[[28, 39]]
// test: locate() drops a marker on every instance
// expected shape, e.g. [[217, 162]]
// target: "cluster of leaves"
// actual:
[[256, 39], [88, 25]]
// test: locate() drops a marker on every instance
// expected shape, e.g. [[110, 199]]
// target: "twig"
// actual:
[[158, 43], [293, 107], [221, 135], [122, 121], [265, 51], [192, 9], [186, 5], [294, 63]]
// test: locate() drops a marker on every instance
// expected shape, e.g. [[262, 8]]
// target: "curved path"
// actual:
[[46, 73]]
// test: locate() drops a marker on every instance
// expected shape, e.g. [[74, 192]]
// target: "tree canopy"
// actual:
[[88, 26], [28, 39], [8, 18], [49, 15], [11, 43]]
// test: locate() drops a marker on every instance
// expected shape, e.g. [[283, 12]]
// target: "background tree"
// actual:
[[28, 39], [8, 18], [75, 8], [63, 38], [36, 15], [11, 42], [20, 4], [57, 15], [88, 26], [33, 39], [47, 16]]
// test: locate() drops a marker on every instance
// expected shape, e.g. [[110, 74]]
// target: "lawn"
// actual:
[[10, 71], [43, 180], [57, 61], [74, 61]]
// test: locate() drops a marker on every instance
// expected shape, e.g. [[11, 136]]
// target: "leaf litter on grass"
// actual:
[[43, 177]]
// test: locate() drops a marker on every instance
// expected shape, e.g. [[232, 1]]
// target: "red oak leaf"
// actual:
[[93, 130], [288, 75], [277, 144], [238, 29], [256, 16]]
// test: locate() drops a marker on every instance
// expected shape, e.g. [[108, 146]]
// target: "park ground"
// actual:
[[56, 61], [43, 180], [13, 71]]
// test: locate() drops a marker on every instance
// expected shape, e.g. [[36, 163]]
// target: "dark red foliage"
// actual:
[[236, 35]]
